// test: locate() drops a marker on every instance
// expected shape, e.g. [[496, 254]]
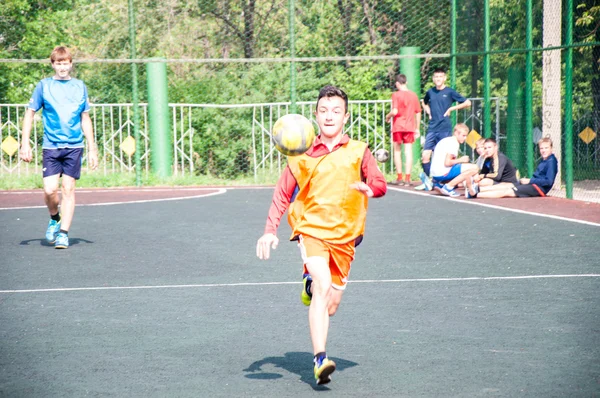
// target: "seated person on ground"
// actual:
[[496, 167], [479, 148], [447, 169], [539, 185]]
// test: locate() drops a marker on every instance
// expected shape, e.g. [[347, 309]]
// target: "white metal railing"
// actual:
[[113, 123]]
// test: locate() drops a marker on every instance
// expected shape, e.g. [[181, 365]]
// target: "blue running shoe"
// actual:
[[437, 186], [446, 190], [306, 295], [426, 181], [62, 241], [324, 367], [52, 230]]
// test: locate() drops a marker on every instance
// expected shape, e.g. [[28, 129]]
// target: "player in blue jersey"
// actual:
[[66, 118], [437, 103]]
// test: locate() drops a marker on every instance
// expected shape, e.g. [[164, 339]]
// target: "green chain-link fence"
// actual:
[[531, 68]]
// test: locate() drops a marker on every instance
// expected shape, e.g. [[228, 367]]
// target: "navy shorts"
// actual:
[[528, 191], [61, 161], [431, 139]]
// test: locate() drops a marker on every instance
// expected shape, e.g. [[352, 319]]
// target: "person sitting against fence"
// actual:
[[537, 186], [496, 168], [479, 148], [447, 169]]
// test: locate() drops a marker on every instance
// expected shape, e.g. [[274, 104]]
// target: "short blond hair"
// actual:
[[461, 126], [61, 53], [546, 139]]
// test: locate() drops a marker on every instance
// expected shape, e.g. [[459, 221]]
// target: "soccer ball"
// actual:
[[381, 155], [293, 134]]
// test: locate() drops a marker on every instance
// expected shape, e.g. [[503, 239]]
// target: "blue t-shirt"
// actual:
[[63, 102], [545, 173], [439, 101]]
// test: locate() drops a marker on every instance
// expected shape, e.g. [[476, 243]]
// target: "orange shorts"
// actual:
[[404, 137], [338, 256]]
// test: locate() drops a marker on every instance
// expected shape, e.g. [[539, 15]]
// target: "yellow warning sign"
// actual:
[[128, 145], [9, 145], [472, 138], [587, 135]]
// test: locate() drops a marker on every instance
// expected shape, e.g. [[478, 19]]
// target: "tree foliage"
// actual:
[[229, 29]]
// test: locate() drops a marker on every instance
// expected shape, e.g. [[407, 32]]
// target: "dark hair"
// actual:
[[332, 91], [439, 69], [401, 79], [488, 140]]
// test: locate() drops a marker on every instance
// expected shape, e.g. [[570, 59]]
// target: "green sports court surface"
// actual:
[[166, 298]]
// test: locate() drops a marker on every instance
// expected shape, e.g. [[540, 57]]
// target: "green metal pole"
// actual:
[[453, 53], [292, 17], [529, 89], [487, 114], [134, 89], [411, 68], [568, 155], [514, 118], [158, 118]]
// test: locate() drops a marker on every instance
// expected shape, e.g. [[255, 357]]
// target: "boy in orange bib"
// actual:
[[325, 191]]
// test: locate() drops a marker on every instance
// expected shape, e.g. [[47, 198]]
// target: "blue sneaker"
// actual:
[[306, 295], [323, 368], [437, 186], [446, 190], [426, 181], [62, 241], [52, 230]]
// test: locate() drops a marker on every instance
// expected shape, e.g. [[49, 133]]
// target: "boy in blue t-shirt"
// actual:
[[66, 121], [437, 103]]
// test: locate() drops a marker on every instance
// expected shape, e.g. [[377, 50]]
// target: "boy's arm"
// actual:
[[390, 115], [35, 104], [372, 176], [546, 179], [88, 132], [451, 160], [462, 103], [495, 172], [457, 107], [418, 123], [425, 103], [25, 152], [281, 201]]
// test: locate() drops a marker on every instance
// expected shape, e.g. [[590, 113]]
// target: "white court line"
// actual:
[[219, 192], [474, 202], [466, 279], [155, 189]]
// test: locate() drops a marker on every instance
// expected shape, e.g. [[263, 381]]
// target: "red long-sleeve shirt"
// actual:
[[287, 183]]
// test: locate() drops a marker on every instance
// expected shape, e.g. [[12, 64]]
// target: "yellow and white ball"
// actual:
[[293, 134]]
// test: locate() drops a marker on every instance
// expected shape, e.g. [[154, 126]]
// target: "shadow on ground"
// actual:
[[44, 242], [293, 362]]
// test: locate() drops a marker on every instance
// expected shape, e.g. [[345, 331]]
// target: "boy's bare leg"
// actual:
[[318, 312], [51, 193], [470, 171], [408, 159], [398, 157], [503, 192], [68, 202], [498, 187]]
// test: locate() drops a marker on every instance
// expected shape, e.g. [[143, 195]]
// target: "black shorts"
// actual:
[[528, 191], [61, 161]]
